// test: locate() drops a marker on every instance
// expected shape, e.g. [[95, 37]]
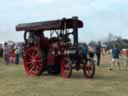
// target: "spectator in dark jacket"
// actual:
[[98, 53], [115, 56], [1, 51]]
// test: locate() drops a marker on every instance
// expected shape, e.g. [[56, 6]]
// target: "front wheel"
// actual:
[[66, 67], [33, 61], [89, 69]]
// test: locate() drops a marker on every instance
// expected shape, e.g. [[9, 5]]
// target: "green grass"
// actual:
[[15, 82]]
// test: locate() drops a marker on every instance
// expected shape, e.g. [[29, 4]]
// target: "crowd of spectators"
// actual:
[[11, 53]]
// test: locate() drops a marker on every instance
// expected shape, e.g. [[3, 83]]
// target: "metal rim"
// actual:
[[66, 67], [89, 69], [33, 62]]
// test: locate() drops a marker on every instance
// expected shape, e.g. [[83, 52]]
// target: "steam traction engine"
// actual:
[[55, 54]]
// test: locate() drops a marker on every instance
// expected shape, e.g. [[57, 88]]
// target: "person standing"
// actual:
[[1, 51], [6, 53], [17, 53], [85, 50], [124, 56], [115, 56], [98, 53], [91, 52], [12, 55]]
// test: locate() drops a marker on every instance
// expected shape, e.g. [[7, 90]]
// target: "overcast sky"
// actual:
[[100, 17]]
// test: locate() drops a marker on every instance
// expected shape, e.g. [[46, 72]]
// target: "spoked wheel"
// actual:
[[66, 67], [89, 69], [33, 62]]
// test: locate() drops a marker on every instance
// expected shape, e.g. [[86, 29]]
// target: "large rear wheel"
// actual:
[[33, 61], [66, 67]]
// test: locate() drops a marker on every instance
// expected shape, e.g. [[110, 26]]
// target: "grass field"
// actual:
[[15, 82]]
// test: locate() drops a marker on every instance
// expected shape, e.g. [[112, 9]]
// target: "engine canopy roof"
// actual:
[[49, 25]]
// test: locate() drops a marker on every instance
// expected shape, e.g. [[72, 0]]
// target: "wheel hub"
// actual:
[[33, 60]]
